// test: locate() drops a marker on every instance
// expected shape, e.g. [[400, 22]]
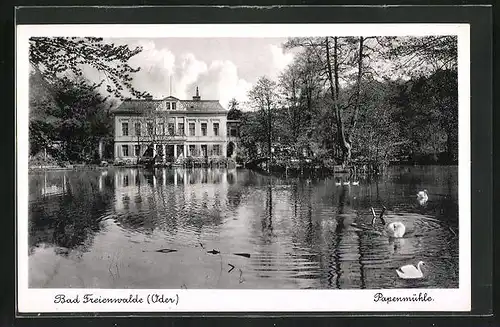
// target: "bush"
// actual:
[[41, 160]]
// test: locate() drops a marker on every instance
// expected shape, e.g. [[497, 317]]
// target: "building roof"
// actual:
[[189, 106]]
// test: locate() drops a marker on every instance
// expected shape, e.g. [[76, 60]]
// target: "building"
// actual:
[[172, 129]]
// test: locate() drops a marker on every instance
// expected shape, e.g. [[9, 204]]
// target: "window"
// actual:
[[173, 105], [150, 128], [125, 150], [192, 129], [204, 129], [137, 150], [234, 132], [138, 129], [180, 129], [192, 150], [125, 129], [171, 128], [167, 104], [161, 127], [204, 150], [216, 129], [180, 150], [216, 150]]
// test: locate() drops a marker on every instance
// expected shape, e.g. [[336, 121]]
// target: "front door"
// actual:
[[169, 149]]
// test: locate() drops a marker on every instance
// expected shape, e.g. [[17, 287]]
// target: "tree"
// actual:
[[421, 55], [429, 113], [264, 99], [67, 107], [301, 91], [56, 58], [74, 117], [250, 135], [335, 100], [339, 58], [154, 129], [234, 112]]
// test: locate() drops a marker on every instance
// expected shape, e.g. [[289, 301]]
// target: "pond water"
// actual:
[[233, 229]]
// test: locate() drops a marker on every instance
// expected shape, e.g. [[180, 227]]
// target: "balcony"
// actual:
[[206, 138], [148, 137]]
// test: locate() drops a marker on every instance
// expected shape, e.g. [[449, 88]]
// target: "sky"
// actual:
[[222, 68]]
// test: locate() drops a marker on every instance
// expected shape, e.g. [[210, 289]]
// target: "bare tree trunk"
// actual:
[[294, 116], [269, 136], [333, 77], [358, 89]]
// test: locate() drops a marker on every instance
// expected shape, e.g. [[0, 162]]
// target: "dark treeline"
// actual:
[[369, 100], [69, 122]]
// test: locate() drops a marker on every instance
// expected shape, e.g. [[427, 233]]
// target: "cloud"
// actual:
[[217, 79], [221, 81], [280, 59], [187, 73], [157, 65]]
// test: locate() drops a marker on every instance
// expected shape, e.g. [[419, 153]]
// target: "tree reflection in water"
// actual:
[[71, 218]]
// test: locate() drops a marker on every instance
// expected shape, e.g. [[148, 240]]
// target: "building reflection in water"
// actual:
[[54, 186], [168, 198]]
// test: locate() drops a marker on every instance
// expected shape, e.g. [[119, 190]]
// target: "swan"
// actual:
[[410, 271], [346, 183], [355, 183], [422, 196], [396, 229], [338, 183]]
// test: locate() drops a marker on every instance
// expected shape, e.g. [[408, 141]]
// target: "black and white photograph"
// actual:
[[244, 158]]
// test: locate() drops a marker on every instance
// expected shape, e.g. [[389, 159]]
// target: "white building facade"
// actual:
[[170, 128]]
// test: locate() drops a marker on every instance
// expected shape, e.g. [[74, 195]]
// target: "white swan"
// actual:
[[396, 229], [346, 183], [410, 271], [355, 183], [422, 197], [338, 183]]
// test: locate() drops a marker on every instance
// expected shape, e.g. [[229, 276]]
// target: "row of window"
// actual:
[[194, 150], [170, 129]]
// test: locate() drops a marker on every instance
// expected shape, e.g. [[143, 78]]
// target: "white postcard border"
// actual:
[[42, 300]]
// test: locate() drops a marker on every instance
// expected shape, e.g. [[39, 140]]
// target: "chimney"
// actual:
[[197, 96]]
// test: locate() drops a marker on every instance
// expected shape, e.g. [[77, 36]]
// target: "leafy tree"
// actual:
[[65, 106], [56, 58], [74, 114], [428, 116], [301, 91], [421, 55], [341, 59], [264, 100], [249, 135], [234, 110]]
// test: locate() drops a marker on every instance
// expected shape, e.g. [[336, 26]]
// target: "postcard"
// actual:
[[243, 168]]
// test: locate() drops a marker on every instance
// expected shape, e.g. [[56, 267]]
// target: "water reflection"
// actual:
[[103, 228]]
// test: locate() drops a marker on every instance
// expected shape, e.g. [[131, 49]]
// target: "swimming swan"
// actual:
[[338, 183], [396, 229], [410, 271], [422, 197], [346, 183], [355, 183]]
